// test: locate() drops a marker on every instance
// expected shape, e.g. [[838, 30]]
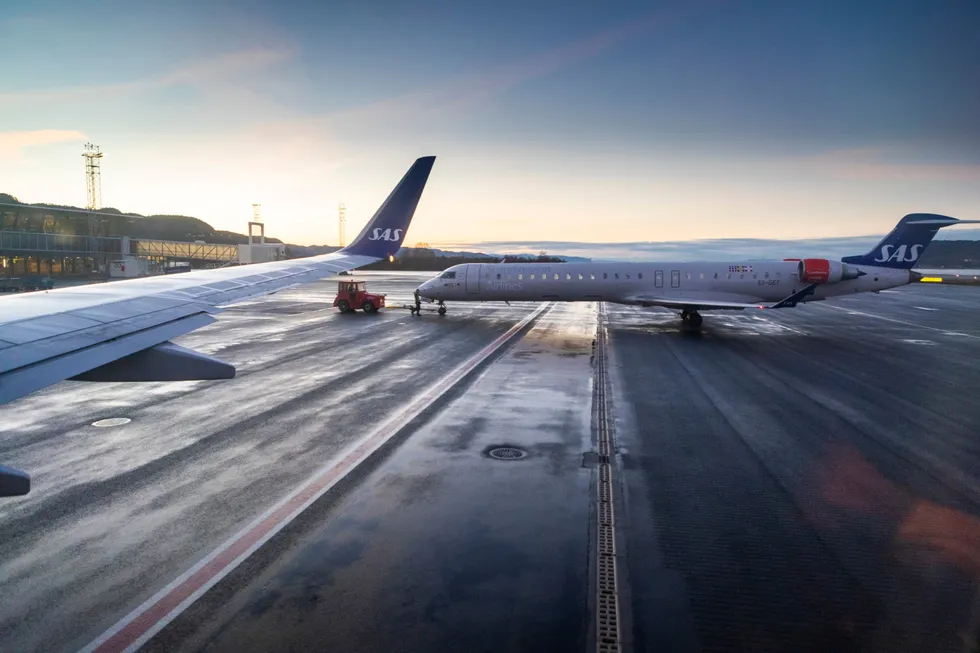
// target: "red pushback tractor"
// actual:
[[353, 296]]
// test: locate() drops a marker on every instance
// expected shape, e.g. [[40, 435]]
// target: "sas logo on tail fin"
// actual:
[[393, 235], [901, 254]]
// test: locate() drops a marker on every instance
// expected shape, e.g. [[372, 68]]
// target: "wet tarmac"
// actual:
[[789, 480]]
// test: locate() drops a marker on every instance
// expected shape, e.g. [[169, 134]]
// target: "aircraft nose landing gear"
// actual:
[[442, 307], [692, 320]]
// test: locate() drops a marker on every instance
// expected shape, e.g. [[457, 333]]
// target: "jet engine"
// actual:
[[821, 270]]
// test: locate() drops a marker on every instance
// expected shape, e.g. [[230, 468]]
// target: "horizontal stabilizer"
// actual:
[[164, 362]]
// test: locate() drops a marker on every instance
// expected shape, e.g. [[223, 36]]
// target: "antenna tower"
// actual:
[[342, 219], [93, 176]]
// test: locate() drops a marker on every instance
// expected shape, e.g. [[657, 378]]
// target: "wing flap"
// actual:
[[128, 308], [28, 353], [52, 369], [48, 326]]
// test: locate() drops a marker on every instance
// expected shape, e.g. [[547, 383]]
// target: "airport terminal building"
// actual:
[[48, 242], [40, 241]]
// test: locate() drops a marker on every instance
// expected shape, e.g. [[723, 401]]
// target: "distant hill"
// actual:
[[950, 254], [953, 254], [410, 258], [424, 259], [154, 227]]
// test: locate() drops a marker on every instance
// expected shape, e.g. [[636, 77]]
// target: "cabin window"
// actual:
[[498, 275], [766, 275], [779, 275], [567, 276], [616, 274], [580, 276], [592, 275], [687, 275], [658, 278], [520, 277], [729, 275], [556, 276], [639, 275], [716, 275], [755, 276], [627, 275], [605, 275], [532, 276], [702, 275], [741, 275]]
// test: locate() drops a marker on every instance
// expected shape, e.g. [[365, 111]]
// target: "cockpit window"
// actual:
[[448, 275]]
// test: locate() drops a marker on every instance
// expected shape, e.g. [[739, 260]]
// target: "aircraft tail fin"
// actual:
[[903, 246], [385, 231]]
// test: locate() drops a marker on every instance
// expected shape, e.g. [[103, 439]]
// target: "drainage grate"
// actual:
[[607, 592], [506, 453]]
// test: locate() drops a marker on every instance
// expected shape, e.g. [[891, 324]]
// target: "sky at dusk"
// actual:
[[552, 121]]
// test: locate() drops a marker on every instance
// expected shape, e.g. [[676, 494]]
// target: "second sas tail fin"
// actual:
[[903, 246]]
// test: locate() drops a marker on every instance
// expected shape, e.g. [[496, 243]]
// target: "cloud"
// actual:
[[223, 67], [204, 73], [464, 91], [697, 250], [11, 143]]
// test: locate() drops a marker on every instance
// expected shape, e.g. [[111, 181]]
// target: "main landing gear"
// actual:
[[692, 320]]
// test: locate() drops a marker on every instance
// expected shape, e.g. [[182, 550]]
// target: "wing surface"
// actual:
[[695, 301], [46, 337]]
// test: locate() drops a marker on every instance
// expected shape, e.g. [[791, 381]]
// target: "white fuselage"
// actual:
[[636, 283]]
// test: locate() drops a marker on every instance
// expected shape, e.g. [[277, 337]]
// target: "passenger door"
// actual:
[[675, 278], [658, 277], [473, 273]]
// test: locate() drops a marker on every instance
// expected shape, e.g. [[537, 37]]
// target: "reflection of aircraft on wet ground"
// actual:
[[120, 331], [694, 287]]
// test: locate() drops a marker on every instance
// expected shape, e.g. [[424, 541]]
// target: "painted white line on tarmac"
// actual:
[[137, 627], [891, 319]]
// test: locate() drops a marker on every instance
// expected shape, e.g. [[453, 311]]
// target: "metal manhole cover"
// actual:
[[506, 453], [112, 421]]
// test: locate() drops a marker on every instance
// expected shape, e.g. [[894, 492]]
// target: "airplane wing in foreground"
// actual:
[[119, 331]]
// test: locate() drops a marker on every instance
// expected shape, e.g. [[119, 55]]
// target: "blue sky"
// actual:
[[569, 121]]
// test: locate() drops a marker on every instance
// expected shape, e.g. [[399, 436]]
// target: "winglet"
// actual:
[[385, 232]]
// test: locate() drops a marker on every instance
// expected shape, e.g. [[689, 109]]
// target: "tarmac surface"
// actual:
[[803, 479]]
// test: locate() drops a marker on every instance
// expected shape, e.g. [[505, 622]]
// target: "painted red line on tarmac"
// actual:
[[148, 619]]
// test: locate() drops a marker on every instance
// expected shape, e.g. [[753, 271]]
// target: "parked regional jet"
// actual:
[[695, 287], [120, 331]]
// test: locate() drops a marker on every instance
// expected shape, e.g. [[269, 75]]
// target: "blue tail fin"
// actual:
[[384, 233], [902, 247]]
